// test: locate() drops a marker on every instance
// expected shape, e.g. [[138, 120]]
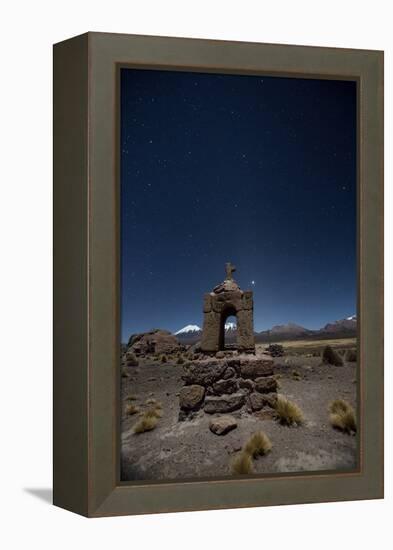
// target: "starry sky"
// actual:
[[259, 171]]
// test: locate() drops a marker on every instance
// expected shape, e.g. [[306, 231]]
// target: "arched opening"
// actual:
[[228, 329]]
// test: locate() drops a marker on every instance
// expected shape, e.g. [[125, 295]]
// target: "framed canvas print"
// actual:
[[218, 274]]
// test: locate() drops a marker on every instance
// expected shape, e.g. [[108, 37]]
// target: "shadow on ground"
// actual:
[[43, 494]]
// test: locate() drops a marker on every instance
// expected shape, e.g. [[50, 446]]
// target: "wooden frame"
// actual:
[[86, 257]]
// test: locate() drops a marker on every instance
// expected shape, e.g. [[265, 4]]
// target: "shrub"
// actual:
[[164, 359], [331, 357], [180, 359], [132, 409], [131, 397], [145, 424], [258, 445], [288, 413], [296, 375], [242, 464], [124, 373], [342, 416], [351, 356]]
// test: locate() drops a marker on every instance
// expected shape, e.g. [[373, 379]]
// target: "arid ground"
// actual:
[[188, 449]]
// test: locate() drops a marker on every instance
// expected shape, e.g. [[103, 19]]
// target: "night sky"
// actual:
[[259, 171]]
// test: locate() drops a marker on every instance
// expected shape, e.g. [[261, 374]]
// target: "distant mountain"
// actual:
[[343, 327], [290, 331], [337, 329], [190, 334], [188, 329]]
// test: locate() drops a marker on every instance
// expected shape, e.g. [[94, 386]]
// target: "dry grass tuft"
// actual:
[[258, 445], [331, 357], [242, 464], [180, 359], [164, 359], [154, 411], [145, 424], [342, 416], [296, 375], [151, 401], [288, 413], [132, 409]]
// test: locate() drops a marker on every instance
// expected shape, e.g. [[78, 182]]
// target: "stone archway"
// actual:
[[228, 311], [228, 299]]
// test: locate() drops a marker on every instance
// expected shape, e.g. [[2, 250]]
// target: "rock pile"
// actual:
[[155, 342], [275, 350], [227, 385]]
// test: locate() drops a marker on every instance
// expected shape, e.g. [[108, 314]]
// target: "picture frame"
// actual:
[[86, 477]]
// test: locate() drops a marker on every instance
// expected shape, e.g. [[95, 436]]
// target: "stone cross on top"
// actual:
[[229, 268]]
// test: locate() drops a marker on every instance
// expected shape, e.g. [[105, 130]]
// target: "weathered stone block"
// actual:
[[203, 372], [234, 364], [229, 373], [225, 386], [191, 397], [224, 403], [248, 302], [254, 368], [246, 385], [207, 303]]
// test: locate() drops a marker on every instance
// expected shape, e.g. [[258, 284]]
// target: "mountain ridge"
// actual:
[[341, 328]]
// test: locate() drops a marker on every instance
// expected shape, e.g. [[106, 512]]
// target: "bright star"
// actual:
[[253, 282]]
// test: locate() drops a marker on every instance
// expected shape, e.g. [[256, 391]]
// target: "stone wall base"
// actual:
[[227, 385]]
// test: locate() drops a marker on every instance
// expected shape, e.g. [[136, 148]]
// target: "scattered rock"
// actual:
[[154, 342], [220, 355], [224, 403], [191, 397], [265, 414], [266, 384], [257, 401], [222, 425]]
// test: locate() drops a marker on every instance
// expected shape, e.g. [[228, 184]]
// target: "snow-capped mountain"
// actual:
[[347, 325], [188, 329], [190, 334]]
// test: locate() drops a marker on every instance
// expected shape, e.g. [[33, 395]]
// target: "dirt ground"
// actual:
[[188, 449]]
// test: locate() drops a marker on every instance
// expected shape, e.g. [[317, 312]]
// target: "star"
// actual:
[[253, 283]]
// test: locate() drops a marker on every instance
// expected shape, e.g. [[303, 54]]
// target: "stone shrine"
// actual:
[[225, 300]]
